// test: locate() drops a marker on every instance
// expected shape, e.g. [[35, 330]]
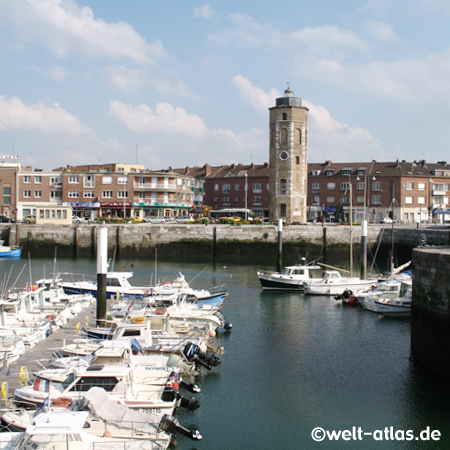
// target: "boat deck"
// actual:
[[43, 351]]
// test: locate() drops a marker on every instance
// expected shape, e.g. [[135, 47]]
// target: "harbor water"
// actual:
[[293, 363]]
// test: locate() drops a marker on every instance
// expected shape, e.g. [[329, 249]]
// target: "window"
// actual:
[[216, 188], [345, 186], [421, 200], [421, 186], [64, 214], [345, 172], [73, 194], [360, 199], [107, 180], [331, 186], [7, 194], [257, 200], [122, 194], [55, 194], [376, 199], [107, 194], [409, 186], [316, 199], [297, 160], [47, 214], [141, 195], [236, 187], [41, 213], [330, 199], [226, 189], [409, 200], [283, 187], [122, 180], [439, 187], [376, 186], [316, 186], [58, 214], [88, 194], [360, 186], [284, 116], [226, 200], [330, 172], [55, 180], [257, 188], [38, 179], [216, 199], [73, 179], [26, 179], [89, 181], [27, 194], [236, 199], [37, 194], [283, 209], [345, 199]]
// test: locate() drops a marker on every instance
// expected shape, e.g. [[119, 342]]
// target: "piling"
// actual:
[[280, 246], [363, 249], [102, 270]]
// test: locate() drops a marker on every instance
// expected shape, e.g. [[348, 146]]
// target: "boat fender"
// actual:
[[171, 425], [62, 401], [173, 361], [228, 326], [136, 346], [189, 403]]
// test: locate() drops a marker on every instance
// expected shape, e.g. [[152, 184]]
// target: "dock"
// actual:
[[44, 350]]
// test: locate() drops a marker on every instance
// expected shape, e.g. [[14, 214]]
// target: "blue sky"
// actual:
[[184, 82]]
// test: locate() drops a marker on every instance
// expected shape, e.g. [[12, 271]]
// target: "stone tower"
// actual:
[[288, 186]]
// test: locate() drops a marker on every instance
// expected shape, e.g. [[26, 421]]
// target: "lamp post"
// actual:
[[245, 195], [430, 205]]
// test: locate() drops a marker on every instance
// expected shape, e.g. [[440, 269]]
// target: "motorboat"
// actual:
[[12, 348], [9, 252], [109, 418], [398, 307], [334, 283], [127, 386], [292, 278], [66, 430], [385, 289]]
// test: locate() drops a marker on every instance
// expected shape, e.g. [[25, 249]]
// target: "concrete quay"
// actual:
[[141, 240], [44, 350]]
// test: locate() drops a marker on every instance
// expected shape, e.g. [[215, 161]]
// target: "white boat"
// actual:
[[109, 418], [333, 283], [11, 348], [127, 386], [64, 430], [384, 289], [292, 278], [396, 306]]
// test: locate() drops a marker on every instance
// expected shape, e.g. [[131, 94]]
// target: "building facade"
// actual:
[[288, 159]]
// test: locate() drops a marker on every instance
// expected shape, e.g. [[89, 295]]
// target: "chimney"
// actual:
[[207, 168], [266, 165]]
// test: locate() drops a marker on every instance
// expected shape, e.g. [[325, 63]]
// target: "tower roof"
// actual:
[[288, 99]]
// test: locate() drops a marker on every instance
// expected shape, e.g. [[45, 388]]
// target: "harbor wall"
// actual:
[[141, 240], [430, 313]]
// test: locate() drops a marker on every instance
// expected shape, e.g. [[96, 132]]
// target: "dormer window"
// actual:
[[330, 172]]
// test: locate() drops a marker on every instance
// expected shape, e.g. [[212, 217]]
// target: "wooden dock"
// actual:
[[44, 350]]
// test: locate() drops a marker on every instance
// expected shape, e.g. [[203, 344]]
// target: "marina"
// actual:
[[292, 362]]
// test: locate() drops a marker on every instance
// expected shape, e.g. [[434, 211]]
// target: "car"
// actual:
[[136, 219], [184, 219], [387, 220], [30, 219], [76, 219], [4, 219], [155, 220]]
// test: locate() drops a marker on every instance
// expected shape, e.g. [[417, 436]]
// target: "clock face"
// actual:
[[284, 155]]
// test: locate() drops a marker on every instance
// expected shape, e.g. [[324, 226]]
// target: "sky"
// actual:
[[184, 82]]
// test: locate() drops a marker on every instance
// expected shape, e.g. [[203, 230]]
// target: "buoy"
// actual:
[[212, 333], [107, 434]]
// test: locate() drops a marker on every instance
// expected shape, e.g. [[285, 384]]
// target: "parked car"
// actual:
[[136, 219], [155, 220], [184, 219], [4, 219], [76, 219], [30, 219]]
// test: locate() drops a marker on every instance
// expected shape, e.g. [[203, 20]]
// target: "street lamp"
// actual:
[[430, 205], [245, 194]]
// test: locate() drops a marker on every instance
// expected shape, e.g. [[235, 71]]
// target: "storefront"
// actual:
[[162, 209], [115, 210], [88, 210]]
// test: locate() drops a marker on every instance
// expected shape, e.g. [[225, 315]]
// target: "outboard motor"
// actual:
[[344, 296], [226, 325], [171, 425], [206, 359]]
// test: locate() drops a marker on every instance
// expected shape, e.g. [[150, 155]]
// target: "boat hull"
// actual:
[[11, 253], [270, 283]]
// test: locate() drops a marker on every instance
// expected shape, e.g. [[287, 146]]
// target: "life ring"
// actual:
[[35, 287], [160, 311]]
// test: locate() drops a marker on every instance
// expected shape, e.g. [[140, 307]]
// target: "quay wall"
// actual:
[[430, 313], [141, 240]]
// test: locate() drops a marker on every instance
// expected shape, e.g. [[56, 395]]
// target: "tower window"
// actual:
[[283, 186], [297, 160], [283, 209], [284, 116]]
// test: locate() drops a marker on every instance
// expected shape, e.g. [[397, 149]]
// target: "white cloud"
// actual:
[[254, 96], [55, 72], [43, 117], [163, 119], [204, 11], [64, 28], [381, 31]]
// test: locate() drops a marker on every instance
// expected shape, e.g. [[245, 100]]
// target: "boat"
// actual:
[[107, 417], [384, 289], [292, 278], [66, 430], [333, 283], [9, 252], [119, 286], [397, 306]]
